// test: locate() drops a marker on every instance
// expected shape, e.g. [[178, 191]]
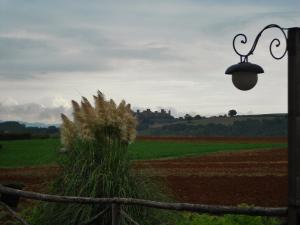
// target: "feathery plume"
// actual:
[[68, 132], [105, 119]]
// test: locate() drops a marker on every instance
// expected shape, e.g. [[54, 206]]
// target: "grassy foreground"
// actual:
[[24, 153]]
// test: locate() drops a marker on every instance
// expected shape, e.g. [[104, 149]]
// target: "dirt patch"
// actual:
[[34, 178], [252, 177], [230, 190]]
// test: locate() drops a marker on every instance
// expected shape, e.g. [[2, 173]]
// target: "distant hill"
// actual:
[[224, 120], [10, 130], [164, 124], [39, 125], [244, 125]]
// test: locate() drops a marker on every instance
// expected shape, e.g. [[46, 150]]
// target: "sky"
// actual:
[[155, 54]]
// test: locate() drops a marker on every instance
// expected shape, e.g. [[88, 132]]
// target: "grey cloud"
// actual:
[[86, 51], [154, 52], [32, 112], [82, 37], [23, 57]]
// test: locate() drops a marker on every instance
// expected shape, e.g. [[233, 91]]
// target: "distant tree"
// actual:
[[188, 117], [197, 117], [232, 113]]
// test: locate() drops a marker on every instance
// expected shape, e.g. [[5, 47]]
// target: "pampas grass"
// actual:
[[96, 164], [106, 119]]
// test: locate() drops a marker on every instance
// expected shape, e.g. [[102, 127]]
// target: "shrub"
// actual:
[[204, 219], [96, 164]]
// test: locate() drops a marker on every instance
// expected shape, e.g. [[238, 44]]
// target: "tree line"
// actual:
[[12, 130], [248, 127], [147, 125]]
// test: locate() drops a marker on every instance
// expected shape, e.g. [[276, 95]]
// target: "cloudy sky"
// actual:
[[152, 53]]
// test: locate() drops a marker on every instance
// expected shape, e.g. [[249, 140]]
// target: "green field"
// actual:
[[23, 153], [166, 149]]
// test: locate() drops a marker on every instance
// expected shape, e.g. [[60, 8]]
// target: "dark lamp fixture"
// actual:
[[244, 75]]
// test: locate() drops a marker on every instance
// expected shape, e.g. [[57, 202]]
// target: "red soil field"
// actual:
[[253, 177], [34, 178]]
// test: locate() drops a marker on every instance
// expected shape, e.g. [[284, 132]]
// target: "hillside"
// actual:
[[246, 125], [221, 120], [11, 130], [164, 124]]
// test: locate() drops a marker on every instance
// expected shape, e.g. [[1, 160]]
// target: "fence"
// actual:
[[114, 204]]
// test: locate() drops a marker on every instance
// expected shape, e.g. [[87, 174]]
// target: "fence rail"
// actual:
[[117, 202]]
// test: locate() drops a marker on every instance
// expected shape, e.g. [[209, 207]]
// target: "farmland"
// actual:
[[24, 153], [227, 178], [222, 171], [252, 171]]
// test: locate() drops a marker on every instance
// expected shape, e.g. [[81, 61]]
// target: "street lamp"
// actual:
[[244, 77], [244, 73]]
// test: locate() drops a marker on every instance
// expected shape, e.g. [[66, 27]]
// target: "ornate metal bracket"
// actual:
[[275, 41]]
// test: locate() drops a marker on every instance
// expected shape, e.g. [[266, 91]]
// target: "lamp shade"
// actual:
[[244, 75]]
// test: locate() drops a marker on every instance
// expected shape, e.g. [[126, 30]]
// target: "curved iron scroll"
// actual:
[[275, 41]]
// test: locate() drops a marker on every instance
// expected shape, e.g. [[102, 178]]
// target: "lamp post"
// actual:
[[244, 77]]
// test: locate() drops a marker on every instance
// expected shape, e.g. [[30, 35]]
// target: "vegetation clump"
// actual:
[[205, 219], [105, 123], [96, 164]]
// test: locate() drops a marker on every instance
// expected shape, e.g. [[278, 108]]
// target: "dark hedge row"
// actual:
[[249, 127], [12, 130]]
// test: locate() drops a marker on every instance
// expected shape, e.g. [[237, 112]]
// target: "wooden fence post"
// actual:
[[115, 214]]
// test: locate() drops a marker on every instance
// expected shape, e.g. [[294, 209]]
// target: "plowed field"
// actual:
[[252, 177]]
